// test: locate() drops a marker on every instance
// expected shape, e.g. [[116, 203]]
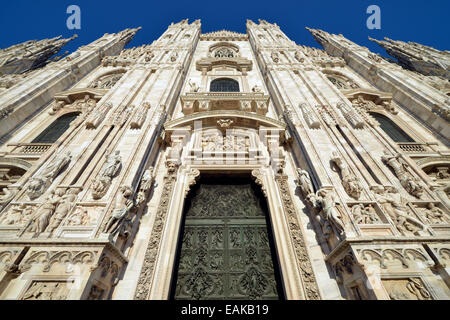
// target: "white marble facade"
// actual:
[[356, 211]]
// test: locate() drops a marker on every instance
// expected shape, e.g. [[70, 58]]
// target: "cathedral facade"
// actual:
[[224, 166]]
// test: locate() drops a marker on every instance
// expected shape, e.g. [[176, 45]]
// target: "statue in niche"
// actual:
[[391, 201], [350, 182], [65, 205], [327, 205], [39, 183], [110, 169], [124, 205], [41, 220]]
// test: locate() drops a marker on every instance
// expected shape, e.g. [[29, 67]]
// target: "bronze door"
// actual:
[[226, 250]]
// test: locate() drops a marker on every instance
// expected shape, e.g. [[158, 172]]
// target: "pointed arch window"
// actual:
[[56, 129], [224, 85], [392, 130]]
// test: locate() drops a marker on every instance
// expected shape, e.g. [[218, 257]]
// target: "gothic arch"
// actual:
[[394, 131]]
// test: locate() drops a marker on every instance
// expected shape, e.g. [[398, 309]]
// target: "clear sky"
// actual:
[[426, 22]]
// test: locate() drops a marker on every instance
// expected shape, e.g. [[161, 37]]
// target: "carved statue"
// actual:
[[350, 182], [140, 116], [364, 214], [97, 115], [391, 201], [41, 220], [434, 214], [79, 218], [326, 200], [174, 57], [194, 86], [65, 205], [304, 182], [108, 172], [39, 183], [274, 56], [8, 195], [146, 184], [124, 204], [399, 166], [256, 88]]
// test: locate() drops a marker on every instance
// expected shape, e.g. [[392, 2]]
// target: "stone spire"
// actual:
[[30, 55], [128, 34], [319, 35], [418, 57]]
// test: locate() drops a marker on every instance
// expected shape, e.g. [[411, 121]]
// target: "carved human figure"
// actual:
[[399, 167], [350, 182], [79, 218], [304, 181], [65, 205], [357, 212], [371, 215], [194, 86], [41, 220], [274, 56], [38, 184], [256, 88], [8, 195], [13, 216], [391, 201], [435, 214], [109, 170], [146, 184], [327, 202], [124, 204]]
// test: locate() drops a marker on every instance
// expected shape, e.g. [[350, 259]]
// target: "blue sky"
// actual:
[[426, 22]]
